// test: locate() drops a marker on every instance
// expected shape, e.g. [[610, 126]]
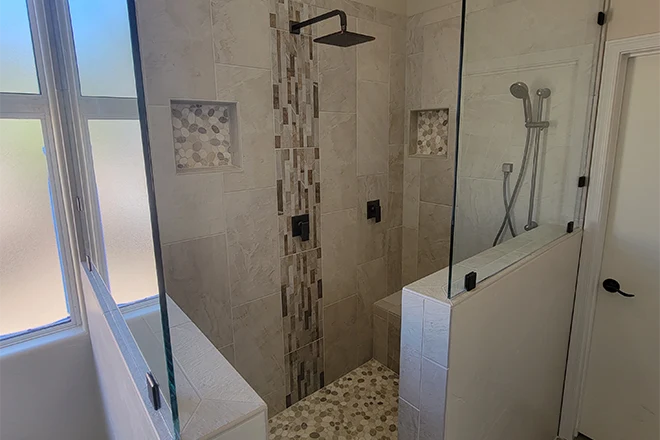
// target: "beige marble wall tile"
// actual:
[[440, 63], [432, 403], [395, 186], [391, 19], [408, 421], [228, 353], [197, 279], [412, 309], [352, 8], [338, 161], [371, 235], [398, 40], [252, 233], [339, 255], [253, 91], [380, 339], [394, 251], [436, 332], [374, 56], [409, 255], [372, 286], [241, 32], [337, 77], [414, 69], [276, 402], [372, 133], [393, 342], [411, 187], [437, 181], [397, 97], [177, 50], [339, 335], [189, 206], [434, 237], [419, 6], [258, 345]]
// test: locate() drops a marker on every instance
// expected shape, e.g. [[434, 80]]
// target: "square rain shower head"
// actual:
[[344, 39]]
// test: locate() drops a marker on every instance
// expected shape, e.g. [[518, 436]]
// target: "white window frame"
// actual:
[[65, 113]]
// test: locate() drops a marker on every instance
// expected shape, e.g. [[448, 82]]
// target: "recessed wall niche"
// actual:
[[429, 132], [205, 136]]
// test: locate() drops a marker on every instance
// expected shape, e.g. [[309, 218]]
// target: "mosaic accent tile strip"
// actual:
[[361, 405], [295, 82], [302, 293], [433, 132], [202, 135], [298, 192], [304, 372]]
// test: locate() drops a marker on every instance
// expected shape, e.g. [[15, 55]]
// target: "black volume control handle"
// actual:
[[613, 286]]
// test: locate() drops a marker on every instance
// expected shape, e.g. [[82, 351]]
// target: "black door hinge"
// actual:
[[570, 227], [583, 181], [602, 18], [154, 391]]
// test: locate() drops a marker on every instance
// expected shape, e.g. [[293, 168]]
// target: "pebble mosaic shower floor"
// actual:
[[359, 406]]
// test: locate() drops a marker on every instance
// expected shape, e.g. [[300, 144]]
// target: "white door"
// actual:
[[622, 395]]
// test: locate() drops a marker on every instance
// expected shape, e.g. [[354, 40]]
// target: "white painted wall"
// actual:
[[630, 18], [507, 349], [49, 390]]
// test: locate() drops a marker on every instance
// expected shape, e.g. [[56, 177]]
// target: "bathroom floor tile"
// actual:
[[361, 405]]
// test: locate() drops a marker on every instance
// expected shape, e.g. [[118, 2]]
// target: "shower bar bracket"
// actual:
[[296, 26]]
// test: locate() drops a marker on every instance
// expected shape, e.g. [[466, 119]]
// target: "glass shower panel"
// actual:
[[528, 75], [103, 48], [122, 192]]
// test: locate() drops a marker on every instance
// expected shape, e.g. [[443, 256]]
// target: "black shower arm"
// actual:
[[295, 26]]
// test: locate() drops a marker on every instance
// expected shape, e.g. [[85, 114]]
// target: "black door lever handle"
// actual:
[[613, 286]]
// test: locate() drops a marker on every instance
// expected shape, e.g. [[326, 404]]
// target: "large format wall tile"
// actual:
[[241, 33], [189, 206], [371, 235], [372, 119], [302, 293], [440, 64], [339, 338], [252, 90], [433, 389], [411, 186], [337, 72], [372, 286], [393, 248], [339, 255], [259, 349], [395, 186], [196, 278], [252, 243], [434, 237], [374, 56], [437, 180], [176, 49], [408, 421], [338, 162], [397, 97], [409, 248]]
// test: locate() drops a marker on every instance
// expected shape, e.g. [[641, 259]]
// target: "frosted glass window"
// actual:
[[103, 47], [31, 285], [125, 217], [18, 73]]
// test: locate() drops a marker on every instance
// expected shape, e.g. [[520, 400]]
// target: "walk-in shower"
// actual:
[[534, 125]]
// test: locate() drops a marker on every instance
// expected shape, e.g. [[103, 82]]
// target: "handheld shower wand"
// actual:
[[521, 91]]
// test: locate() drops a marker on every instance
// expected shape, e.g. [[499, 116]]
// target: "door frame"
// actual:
[[615, 66]]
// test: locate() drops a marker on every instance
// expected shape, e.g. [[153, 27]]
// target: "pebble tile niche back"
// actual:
[[205, 136]]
